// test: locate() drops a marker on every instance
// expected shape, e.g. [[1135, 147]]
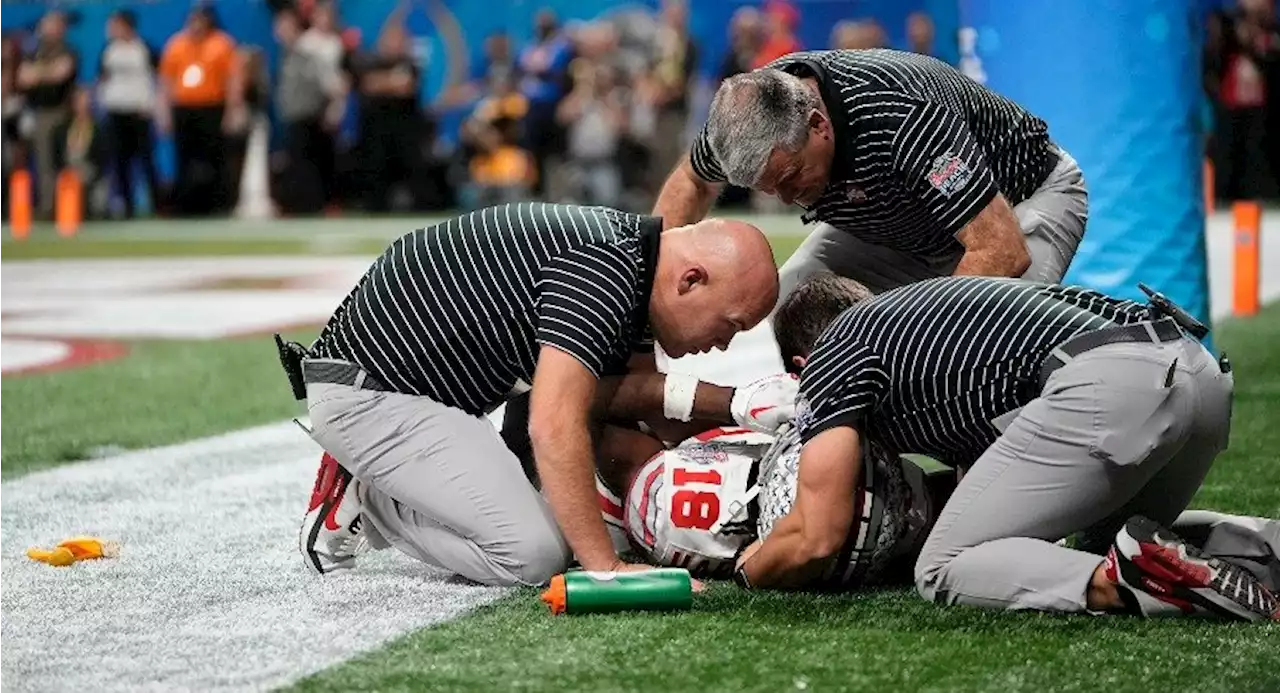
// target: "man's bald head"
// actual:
[[714, 279]]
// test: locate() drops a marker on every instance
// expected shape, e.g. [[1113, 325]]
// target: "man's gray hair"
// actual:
[[752, 114]]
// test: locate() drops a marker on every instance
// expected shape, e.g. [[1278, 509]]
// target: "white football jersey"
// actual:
[[696, 505], [690, 507]]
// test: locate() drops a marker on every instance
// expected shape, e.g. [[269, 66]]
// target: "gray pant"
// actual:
[[45, 124], [1052, 219], [439, 485], [1107, 439]]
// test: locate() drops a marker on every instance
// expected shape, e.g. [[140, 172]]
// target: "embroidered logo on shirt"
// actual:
[[803, 418], [855, 194], [949, 174]]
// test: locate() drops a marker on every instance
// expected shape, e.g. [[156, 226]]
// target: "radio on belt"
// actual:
[[1163, 307]]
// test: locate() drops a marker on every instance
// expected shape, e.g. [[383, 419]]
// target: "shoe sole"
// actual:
[[1186, 586]]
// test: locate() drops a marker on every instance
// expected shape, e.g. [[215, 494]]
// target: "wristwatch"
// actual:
[[740, 578]]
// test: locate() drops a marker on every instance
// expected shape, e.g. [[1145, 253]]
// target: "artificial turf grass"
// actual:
[[883, 641], [888, 640], [160, 393]]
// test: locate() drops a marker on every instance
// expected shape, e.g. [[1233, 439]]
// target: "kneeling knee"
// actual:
[[538, 558], [927, 570]]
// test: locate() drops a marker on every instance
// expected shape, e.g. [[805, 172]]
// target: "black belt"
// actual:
[[1162, 330], [339, 373]]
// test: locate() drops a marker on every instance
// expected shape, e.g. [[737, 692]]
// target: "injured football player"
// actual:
[[701, 503]]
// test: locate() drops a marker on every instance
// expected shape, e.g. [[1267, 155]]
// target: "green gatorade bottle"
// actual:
[[583, 592]]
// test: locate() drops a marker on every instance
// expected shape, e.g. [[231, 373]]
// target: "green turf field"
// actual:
[[731, 641]]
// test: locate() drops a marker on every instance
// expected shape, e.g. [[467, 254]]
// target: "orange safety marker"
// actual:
[[67, 203], [20, 204], [1209, 197], [1248, 225]]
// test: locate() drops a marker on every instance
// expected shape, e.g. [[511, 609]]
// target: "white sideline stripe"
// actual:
[[210, 592]]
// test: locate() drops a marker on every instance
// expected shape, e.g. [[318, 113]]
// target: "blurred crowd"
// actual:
[[599, 113], [1242, 79], [593, 112]]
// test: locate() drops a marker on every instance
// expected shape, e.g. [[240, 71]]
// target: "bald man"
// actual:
[[454, 320]]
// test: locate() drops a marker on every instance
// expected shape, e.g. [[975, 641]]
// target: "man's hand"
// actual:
[[797, 550], [559, 420], [994, 245], [766, 404], [685, 198]]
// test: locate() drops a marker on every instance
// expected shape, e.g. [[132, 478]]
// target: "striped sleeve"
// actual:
[[843, 382], [705, 164], [587, 298], [939, 162]]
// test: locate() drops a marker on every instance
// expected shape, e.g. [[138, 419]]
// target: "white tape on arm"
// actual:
[[677, 396]]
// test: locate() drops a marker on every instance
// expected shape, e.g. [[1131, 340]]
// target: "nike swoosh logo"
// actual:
[[331, 517], [759, 410]]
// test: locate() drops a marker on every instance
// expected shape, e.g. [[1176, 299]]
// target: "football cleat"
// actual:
[[1159, 573], [331, 533]]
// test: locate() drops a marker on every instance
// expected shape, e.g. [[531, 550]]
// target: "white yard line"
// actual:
[[209, 592]]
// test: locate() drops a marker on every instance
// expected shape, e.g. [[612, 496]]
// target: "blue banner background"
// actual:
[[1119, 84]]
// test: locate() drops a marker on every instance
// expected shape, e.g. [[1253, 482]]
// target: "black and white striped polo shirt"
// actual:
[[925, 368], [457, 311], [920, 148]]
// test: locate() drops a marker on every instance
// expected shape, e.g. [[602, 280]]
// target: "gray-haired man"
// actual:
[[914, 170]]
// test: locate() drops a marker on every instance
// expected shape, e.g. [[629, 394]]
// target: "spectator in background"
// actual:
[[497, 64], [305, 96], [858, 35], [80, 146], [1242, 99], [322, 40], [12, 103], [501, 170], [595, 117], [48, 78], [388, 84], [746, 35], [127, 93], [675, 67], [920, 33], [781, 20], [200, 79], [544, 69], [254, 84]]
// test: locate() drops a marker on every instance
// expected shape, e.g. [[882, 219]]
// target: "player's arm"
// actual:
[[692, 187], [940, 163], [801, 544], [762, 406]]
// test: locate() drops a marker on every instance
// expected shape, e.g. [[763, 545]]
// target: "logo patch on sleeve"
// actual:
[[949, 174]]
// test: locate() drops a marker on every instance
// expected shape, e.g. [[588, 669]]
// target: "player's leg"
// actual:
[[1069, 459], [1053, 220], [439, 485]]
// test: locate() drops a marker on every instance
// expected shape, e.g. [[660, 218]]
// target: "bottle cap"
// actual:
[[555, 595]]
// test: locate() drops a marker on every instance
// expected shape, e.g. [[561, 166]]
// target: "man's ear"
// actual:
[[692, 277], [799, 361], [819, 122]]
